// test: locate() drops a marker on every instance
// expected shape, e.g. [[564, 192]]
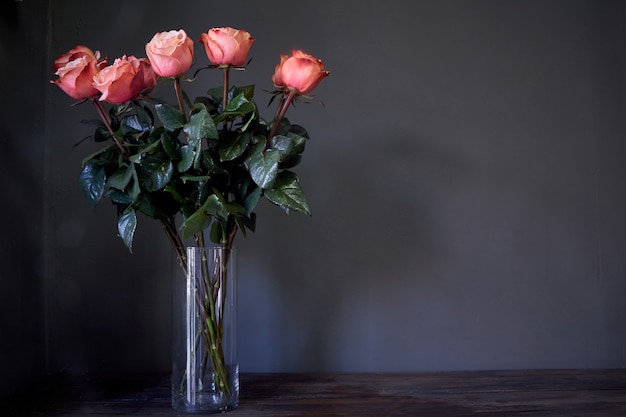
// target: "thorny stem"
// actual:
[[225, 93], [107, 123], [284, 105], [231, 237], [170, 230], [226, 81], [280, 106], [179, 97]]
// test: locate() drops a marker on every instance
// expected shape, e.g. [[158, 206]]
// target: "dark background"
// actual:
[[465, 172]]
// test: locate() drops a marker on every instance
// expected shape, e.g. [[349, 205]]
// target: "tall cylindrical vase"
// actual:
[[205, 368]]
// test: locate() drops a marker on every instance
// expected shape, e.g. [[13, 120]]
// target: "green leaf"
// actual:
[[248, 91], [251, 200], [233, 146], [240, 105], [249, 194], [218, 234], [171, 117], [171, 145], [121, 178], [213, 206], [235, 209], [291, 162], [133, 124], [284, 127], [157, 205], [156, 172], [210, 165], [101, 134], [138, 157], [286, 146], [100, 154], [188, 155], [263, 165], [210, 104], [134, 190], [290, 147], [126, 226], [287, 193], [218, 92], [202, 218], [119, 197], [145, 115], [247, 223], [297, 130], [198, 178], [152, 147], [200, 125], [91, 181], [175, 193], [195, 146]]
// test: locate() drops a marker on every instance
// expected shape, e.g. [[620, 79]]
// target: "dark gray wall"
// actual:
[[466, 175], [22, 142]]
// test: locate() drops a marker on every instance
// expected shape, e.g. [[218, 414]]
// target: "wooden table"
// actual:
[[567, 393]]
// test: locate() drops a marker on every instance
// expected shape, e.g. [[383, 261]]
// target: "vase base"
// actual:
[[203, 397], [212, 408], [205, 403]]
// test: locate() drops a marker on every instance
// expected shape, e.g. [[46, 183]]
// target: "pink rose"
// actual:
[[170, 53], [76, 70], [125, 79], [227, 46], [300, 72]]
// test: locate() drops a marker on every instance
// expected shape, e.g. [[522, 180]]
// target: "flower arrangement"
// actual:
[[198, 166]]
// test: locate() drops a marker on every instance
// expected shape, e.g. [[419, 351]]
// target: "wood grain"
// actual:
[[566, 393]]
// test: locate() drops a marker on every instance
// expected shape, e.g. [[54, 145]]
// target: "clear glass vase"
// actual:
[[205, 368]]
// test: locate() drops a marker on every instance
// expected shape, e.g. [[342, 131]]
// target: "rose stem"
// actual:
[[179, 96], [226, 81], [283, 109], [107, 123]]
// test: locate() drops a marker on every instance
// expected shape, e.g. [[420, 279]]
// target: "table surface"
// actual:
[[568, 393]]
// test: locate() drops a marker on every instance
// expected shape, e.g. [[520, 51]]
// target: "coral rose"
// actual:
[[170, 53], [300, 72], [227, 46], [146, 77], [125, 79], [76, 70]]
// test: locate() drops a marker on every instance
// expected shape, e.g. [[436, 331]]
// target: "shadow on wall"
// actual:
[[372, 236]]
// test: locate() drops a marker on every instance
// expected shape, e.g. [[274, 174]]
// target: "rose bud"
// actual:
[[125, 79], [76, 70], [170, 53], [300, 72], [227, 46]]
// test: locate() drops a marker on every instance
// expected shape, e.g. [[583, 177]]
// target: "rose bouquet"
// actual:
[[197, 167]]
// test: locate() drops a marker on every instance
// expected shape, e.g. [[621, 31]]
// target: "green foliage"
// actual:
[[287, 193], [126, 226], [205, 168], [92, 180]]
